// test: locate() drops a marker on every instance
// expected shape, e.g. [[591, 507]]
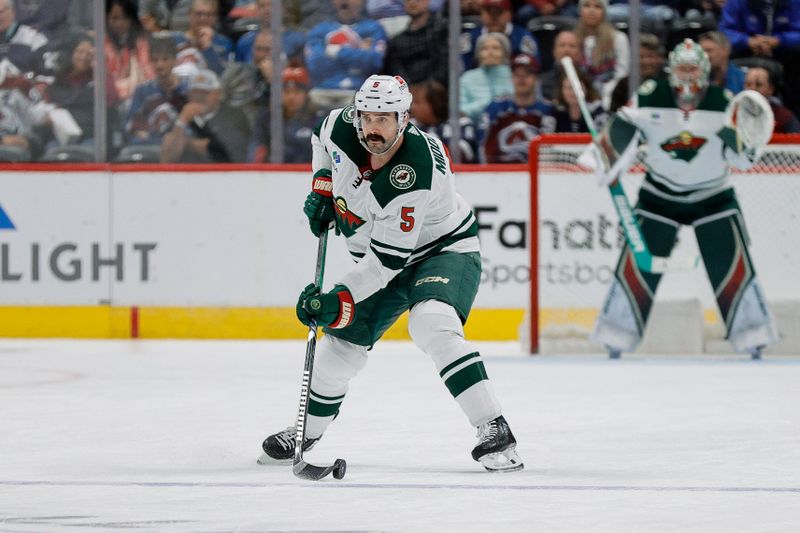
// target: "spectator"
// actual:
[[509, 124], [430, 112], [156, 103], [651, 67], [160, 15], [202, 37], [421, 51], [341, 54], [22, 46], [299, 120], [763, 80], [73, 87], [567, 112], [723, 72], [565, 44], [173, 15], [605, 50], [127, 50], [544, 8], [658, 14], [305, 14], [45, 17], [496, 17], [207, 130], [766, 28], [292, 42], [490, 80]]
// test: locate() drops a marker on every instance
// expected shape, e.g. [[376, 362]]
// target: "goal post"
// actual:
[[575, 240]]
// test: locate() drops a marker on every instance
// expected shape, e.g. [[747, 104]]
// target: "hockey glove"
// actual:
[[334, 309], [319, 204]]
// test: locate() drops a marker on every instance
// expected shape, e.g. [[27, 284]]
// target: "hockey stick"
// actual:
[[300, 467], [633, 232]]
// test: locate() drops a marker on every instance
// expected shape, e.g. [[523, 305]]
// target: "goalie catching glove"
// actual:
[[749, 122], [333, 309], [319, 204]]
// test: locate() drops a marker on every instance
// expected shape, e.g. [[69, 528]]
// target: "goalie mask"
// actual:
[[382, 94], [688, 88]]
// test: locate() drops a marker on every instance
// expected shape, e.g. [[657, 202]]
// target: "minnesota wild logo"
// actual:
[[349, 113], [402, 176], [347, 221], [683, 146]]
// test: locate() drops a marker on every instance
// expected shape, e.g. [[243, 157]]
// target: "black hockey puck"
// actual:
[[339, 468]]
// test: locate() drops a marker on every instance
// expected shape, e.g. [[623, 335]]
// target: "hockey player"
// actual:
[[690, 145], [391, 191]]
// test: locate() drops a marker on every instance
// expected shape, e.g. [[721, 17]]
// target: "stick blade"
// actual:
[[306, 470]]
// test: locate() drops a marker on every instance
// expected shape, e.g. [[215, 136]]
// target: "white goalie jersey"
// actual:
[[685, 152], [398, 215]]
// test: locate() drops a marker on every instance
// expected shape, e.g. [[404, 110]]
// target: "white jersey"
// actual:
[[398, 215], [687, 152]]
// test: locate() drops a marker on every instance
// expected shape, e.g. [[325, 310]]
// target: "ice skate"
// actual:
[[279, 448], [496, 447]]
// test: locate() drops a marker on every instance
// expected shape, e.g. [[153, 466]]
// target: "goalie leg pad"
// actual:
[[336, 362], [723, 243], [627, 306], [436, 329]]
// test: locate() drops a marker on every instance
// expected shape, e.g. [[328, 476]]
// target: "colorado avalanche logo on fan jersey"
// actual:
[[683, 146], [347, 221]]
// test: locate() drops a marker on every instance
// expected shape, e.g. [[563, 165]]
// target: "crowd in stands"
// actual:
[[190, 80]]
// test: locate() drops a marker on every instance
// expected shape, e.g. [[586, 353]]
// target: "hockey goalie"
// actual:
[[691, 134]]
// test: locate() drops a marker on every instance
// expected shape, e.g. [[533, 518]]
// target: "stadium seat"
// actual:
[[689, 28], [545, 29], [14, 154], [139, 153], [70, 153]]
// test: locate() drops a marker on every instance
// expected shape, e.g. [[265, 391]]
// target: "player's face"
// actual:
[[687, 72], [379, 129]]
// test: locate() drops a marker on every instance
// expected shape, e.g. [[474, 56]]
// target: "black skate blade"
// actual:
[[306, 470]]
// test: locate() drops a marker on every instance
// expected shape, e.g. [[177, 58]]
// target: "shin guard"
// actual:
[[436, 329], [629, 301], [335, 364]]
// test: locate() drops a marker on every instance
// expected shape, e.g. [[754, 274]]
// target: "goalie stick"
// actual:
[[633, 233], [300, 467]]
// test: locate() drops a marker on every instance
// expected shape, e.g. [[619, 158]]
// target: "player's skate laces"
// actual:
[[279, 448], [496, 447]]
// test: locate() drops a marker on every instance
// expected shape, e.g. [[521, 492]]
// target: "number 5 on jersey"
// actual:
[[407, 215]]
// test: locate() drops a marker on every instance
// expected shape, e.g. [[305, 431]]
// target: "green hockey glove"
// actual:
[[319, 204], [333, 309]]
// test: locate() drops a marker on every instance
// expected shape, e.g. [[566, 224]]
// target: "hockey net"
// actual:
[[576, 239]]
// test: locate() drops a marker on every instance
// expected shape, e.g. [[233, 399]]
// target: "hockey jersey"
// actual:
[[686, 152], [395, 216]]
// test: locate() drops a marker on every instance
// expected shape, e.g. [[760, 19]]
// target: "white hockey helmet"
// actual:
[[383, 94], [689, 52]]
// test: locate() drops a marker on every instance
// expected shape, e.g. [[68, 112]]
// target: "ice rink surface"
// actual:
[[164, 436]]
